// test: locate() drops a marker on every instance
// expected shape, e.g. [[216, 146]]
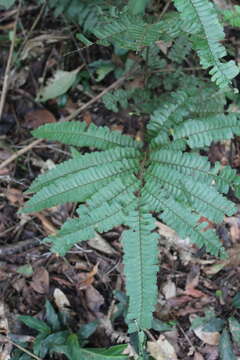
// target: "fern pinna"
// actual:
[[131, 182]]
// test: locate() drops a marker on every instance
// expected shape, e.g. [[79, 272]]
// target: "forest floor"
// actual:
[[88, 283]]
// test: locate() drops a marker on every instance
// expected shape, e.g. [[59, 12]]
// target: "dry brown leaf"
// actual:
[[100, 244], [210, 338], [48, 226], [35, 118], [169, 289], [40, 281], [198, 356], [87, 117], [61, 301], [14, 196], [161, 349], [163, 46], [89, 277], [94, 299], [192, 282]]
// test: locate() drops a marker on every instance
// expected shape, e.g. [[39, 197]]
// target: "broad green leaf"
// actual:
[[7, 3], [34, 323], [225, 347], [234, 326], [87, 330], [52, 316], [74, 352], [236, 301], [159, 325], [213, 325], [58, 85]]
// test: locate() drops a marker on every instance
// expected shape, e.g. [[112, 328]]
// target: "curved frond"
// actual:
[[140, 263], [78, 134], [201, 132], [79, 186], [180, 218], [82, 163], [199, 19], [201, 197], [100, 214], [196, 167]]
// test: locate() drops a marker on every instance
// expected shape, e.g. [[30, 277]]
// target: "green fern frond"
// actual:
[[232, 17], [81, 185], [106, 209], [140, 263], [182, 219], [81, 163], [199, 19], [202, 132], [196, 167], [201, 197], [79, 134], [180, 49], [113, 100]]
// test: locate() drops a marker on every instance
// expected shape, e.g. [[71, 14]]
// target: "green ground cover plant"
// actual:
[[165, 174]]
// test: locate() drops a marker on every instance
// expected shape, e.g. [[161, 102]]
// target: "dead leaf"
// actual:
[[61, 300], [169, 289], [14, 196], [192, 282], [89, 277], [100, 244], [48, 226], [198, 356], [210, 338], [94, 299], [163, 46], [87, 117], [161, 349], [34, 119], [40, 281]]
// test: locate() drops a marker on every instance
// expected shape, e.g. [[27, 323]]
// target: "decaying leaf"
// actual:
[[210, 338], [40, 281], [161, 349]]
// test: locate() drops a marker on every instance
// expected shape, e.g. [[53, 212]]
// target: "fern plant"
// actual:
[[131, 182]]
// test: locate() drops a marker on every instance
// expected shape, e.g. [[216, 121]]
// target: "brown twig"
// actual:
[[24, 350], [8, 250], [19, 153], [8, 67]]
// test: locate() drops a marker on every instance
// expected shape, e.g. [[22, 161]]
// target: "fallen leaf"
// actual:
[[61, 301], [192, 282], [198, 356], [210, 338], [87, 117], [161, 349], [40, 281], [48, 226], [163, 46], [89, 277], [169, 289], [100, 244], [14, 196], [94, 299], [58, 85], [33, 119]]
